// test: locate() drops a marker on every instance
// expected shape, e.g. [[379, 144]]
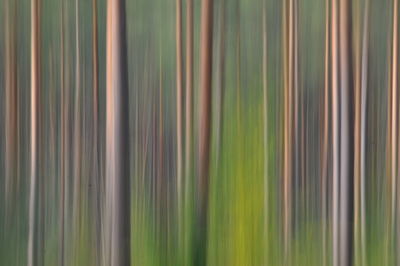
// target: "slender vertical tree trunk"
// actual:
[[238, 74], [189, 91], [388, 153], [11, 119], [77, 137], [35, 123], [335, 131], [265, 114], [63, 143], [220, 79], [95, 179], [394, 120], [346, 136], [206, 40], [179, 108], [295, 110], [117, 134], [189, 131], [285, 48], [324, 174], [357, 130], [364, 82], [287, 171]]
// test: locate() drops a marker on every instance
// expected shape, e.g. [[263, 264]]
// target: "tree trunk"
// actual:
[[394, 120], [77, 134], [324, 172], [35, 125], [117, 134], [335, 131], [95, 178], [363, 176], [206, 34], [265, 114], [188, 133], [179, 114], [220, 80], [11, 119], [288, 109], [63, 143], [346, 136]]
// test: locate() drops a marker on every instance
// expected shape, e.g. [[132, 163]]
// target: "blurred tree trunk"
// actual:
[[357, 129], [11, 119], [32, 256], [77, 133], [117, 134], [189, 132], [206, 40], [335, 131], [394, 132], [220, 79], [265, 114], [363, 176], [179, 113], [324, 164], [288, 120], [95, 178], [63, 141], [346, 135], [296, 113], [389, 148]]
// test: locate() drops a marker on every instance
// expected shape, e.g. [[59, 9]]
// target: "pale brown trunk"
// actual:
[[189, 91], [346, 136], [220, 80], [335, 131], [35, 125], [11, 119], [63, 143], [324, 174], [289, 85], [357, 132], [117, 134], [265, 114], [77, 133], [188, 130], [364, 81], [394, 120], [179, 104], [95, 177], [206, 34], [238, 73]]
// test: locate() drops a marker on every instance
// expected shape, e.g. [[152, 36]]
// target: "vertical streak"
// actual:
[[189, 90], [394, 111], [346, 135], [287, 38], [265, 114], [63, 139], [77, 133], [11, 103], [35, 97], [206, 33], [363, 176], [117, 134], [179, 108], [335, 129], [325, 135], [357, 130], [220, 80], [95, 171]]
